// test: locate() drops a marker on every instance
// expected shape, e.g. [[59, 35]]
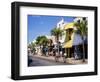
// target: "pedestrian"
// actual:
[[64, 57], [46, 50]]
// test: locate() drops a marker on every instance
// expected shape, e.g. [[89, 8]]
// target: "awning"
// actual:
[[68, 44], [75, 40], [68, 26]]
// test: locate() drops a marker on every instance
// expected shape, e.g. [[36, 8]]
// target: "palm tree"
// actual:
[[57, 32], [44, 40], [82, 30], [41, 41]]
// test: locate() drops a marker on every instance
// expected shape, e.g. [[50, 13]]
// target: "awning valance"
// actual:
[[69, 26]]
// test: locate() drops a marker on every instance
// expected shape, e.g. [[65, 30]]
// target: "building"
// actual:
[[68, 44], [61, 25], [73, 41]]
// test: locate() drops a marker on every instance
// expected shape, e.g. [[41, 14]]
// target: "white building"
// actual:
[[61, 25]]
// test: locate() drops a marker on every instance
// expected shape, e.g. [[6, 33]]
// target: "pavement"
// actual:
[[70, 61], [37, 61]]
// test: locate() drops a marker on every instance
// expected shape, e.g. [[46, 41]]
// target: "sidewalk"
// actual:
[[68, 60]]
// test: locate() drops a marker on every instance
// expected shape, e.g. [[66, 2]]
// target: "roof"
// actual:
[[69, 26]]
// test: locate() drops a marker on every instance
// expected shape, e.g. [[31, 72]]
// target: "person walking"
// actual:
[[46, 50]]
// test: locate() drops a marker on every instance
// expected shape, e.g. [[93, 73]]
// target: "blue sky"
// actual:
[[42, 25]]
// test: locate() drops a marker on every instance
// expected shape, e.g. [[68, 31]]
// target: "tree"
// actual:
[[57, 32], [41, 41], [82, 30], [29, 46], [33, 46]]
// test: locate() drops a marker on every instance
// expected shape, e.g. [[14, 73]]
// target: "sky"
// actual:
[[41, 25]]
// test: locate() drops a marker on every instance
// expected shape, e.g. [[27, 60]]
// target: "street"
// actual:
[[35, 61]]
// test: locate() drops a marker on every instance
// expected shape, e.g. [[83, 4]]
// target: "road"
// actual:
[[34, 61]]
